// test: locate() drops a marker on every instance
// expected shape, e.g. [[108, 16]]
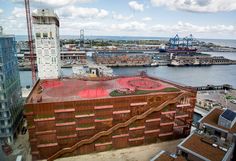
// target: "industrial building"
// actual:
[[73, 57], [10, 90], [214, 139], [47, 43], [74, 116], [123, 58]]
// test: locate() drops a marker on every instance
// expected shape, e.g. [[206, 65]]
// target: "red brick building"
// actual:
[[71, 116]]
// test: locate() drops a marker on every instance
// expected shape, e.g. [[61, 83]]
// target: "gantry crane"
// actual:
[[30, 40]]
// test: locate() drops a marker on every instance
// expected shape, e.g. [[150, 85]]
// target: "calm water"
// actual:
[[191, 76]]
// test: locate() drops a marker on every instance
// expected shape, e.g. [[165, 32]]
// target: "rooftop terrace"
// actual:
[[71, 89]]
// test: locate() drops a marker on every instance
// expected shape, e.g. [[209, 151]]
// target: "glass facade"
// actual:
[[10, 90]]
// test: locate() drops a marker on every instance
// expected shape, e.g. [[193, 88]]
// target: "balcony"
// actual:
[[153, 120], [137, 128], [120, 136], [66, 123], [103, 119], [103, 107], [137, 139], [121, 112], [84, 115], [138, 104], [45, 132], [64, 110], [67, 136], [184, 105], [85, 128], [47, 145]]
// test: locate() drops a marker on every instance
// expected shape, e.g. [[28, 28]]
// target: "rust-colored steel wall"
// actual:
[[54, 126]]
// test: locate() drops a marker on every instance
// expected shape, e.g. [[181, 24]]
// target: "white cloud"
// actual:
[[129, 26], [197, 5], [121, 17], [147, 19], [53, 3], [18, 12], [136, 6], [48, 3], [187, 28], [1, 11], [81, 12]]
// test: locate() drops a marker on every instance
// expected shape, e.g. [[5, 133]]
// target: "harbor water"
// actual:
[[190, 76]]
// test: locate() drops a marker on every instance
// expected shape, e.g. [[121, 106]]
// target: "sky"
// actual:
[[214, 19]]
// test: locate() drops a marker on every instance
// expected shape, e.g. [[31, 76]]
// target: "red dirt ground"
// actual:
[[140, 83], [97, 89]]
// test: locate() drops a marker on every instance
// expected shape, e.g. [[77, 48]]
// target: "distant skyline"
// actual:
[[214, 19]]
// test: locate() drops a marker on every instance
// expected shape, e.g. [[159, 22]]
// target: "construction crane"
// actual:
[[30, 40]]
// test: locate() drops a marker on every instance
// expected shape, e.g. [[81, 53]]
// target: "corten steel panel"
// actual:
[[137, 110], [45, 125], [103, 147], [104, 125], [103, 112], [120, 117], [85, 149], [46, 138], [124, 130], [136, 143], [120, 142], [154, 115], [33, 146], [65, 115], [104, 139], [85, 120], [136, 133], [65, 130], [85, 133], [47, 151], [150, 139], [31, 133], [137, 123], [166, 129], [63, 143], [152, 125]]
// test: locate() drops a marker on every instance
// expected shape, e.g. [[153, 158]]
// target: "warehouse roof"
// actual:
[[212, 120], [203, 147], [69, 89]]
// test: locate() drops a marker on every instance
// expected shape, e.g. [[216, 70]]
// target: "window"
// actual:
[[38, 35], [45, 35]]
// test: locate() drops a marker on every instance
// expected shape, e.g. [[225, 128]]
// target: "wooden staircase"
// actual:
[[117, 126]]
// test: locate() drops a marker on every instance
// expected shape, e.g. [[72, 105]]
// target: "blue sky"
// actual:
[[202, 18]]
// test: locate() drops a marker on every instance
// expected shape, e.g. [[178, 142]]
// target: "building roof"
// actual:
[[212, 120], [229, 115], [73, 89], [198, 146], [164, 156]]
